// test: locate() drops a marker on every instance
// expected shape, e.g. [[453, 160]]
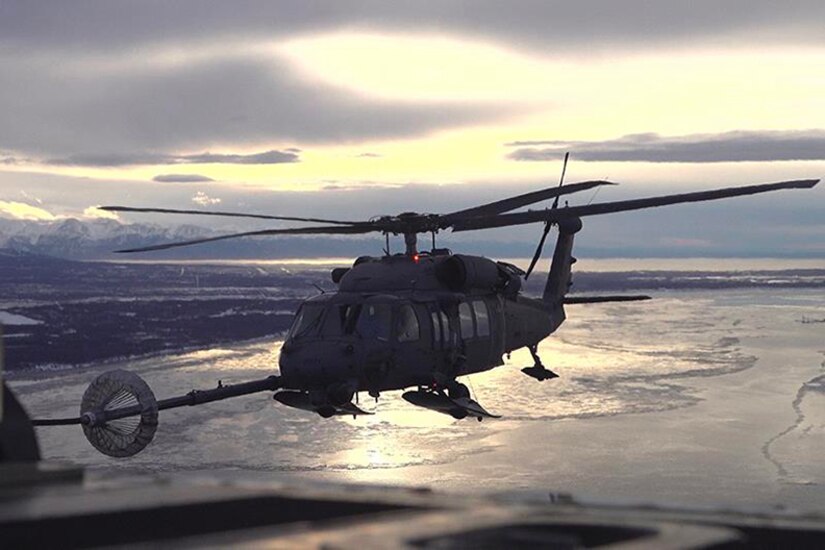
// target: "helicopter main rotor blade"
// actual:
[[333, 230], [512, 203], [216, 213], [520, 218], [561, 179]]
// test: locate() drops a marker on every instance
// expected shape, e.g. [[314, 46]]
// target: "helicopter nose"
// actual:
[[312, 364]]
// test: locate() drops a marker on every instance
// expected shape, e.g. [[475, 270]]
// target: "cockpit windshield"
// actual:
[[306, 321], [367, 320]]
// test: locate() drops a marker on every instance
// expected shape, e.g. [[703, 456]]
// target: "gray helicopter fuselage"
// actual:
[[399, 321]]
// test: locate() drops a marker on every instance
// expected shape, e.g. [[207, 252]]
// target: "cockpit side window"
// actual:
[[306, 321], [340, 319], [465, 318], [374, 322], [407, 324]]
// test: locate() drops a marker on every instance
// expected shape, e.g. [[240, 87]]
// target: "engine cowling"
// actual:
[[460, 272]]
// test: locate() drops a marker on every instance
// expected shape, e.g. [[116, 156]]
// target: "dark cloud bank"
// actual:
[[726, 147], [181, 178], [132, 159], [542, 24], [73, 116]]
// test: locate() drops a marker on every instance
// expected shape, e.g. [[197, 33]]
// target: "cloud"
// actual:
[[132, 159], [181, 178], [360, 186], [558, 24], [738, 146], [268, 157], [369, 155], [118, 77], [203, 199], [93, 212], [23, 211], [78, 113], [29, 197], [682, 242]]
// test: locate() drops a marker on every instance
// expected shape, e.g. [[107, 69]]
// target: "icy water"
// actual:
[[695, 397]]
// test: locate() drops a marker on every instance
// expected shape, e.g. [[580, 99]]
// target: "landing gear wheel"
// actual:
[[457, 391]]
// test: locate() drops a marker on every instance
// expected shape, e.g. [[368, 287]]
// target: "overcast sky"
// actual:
[[351, 109]]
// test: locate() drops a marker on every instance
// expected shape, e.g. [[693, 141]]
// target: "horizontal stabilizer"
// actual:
[[603, 299]]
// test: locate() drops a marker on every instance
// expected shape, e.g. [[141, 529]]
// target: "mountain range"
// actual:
[[97, 239]]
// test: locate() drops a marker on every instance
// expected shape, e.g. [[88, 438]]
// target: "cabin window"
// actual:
[[375, 321], [445, 327], [482, 318], [437, 339], [465, 318], [306, 321], [408, 329]]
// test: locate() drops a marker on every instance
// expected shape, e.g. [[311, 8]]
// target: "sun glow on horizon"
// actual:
[[23, 211]]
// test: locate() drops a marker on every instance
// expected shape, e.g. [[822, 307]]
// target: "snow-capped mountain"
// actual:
[[97, 239], [88, 239]]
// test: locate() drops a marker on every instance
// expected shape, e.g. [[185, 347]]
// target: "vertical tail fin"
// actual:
[[558, 282]]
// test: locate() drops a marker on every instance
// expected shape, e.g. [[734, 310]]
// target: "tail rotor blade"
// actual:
[[561, 180], [539, 250], [548, 225]]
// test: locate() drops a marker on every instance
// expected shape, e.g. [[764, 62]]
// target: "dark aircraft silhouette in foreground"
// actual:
[[420, 319]]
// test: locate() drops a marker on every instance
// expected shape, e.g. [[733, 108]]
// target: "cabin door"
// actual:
[[476, 331]]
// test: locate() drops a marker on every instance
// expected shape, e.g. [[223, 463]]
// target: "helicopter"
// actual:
[[420, 319]]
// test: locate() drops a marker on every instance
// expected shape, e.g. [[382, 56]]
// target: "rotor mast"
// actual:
[[411, 242]]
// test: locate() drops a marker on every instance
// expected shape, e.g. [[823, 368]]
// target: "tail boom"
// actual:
[[558, 281]]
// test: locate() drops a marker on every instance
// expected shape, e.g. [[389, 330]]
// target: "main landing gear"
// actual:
[[538, 370]]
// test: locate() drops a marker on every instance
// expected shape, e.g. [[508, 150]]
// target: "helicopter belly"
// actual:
[[405, 368]]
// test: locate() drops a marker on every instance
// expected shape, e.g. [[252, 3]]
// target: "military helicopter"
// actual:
[[419, 319]]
